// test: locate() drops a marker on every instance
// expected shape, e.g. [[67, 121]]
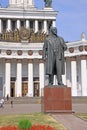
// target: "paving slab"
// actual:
[[70, 121]]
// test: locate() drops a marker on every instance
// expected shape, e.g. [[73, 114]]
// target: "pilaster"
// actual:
[[84, 75], [0, 26], [30, 78], [9, 24], [41, 75], [45, 26], [19, 78], [74, 76], [18, 24], [36, 26], [7, 77]]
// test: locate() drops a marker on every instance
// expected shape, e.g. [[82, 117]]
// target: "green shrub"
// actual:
[[24, 124]]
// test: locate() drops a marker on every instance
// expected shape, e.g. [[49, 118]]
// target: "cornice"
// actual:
[[26, 13]]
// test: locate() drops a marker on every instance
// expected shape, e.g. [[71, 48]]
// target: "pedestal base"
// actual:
[[57, 99]]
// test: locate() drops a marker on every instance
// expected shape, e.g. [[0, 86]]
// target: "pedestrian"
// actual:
[[2, 103], [7, 97], [11, 103]]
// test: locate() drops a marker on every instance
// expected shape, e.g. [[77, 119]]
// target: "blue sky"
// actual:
[[71, 19]]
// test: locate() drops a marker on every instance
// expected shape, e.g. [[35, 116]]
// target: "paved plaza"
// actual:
[[70, 121]]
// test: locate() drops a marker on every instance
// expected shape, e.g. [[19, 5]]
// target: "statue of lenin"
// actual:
[[53, 54]]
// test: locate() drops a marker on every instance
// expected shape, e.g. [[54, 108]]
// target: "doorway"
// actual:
[[36, 89], [24, 88], [12, 91]]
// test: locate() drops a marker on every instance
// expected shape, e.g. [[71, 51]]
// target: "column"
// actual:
[[30, 78], [7, 77], [0, 26], [54, 23], [36, 26], [19, 79], [64, 76], [27, 24], [30, 2], [74, 76], [84, 75], [41, 76], [45, 26], [9, 24], [18, 24], [68, 70], [11, 2]]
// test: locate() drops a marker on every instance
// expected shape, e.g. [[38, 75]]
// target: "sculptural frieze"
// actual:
[[23, 34]]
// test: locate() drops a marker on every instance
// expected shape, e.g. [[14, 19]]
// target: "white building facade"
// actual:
[[22, 70]]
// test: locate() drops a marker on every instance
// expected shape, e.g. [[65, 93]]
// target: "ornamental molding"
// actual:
[[80, 48], [8, 52], [71, 50], [30, 52], [19, 52], [40, 52], [85, 48]]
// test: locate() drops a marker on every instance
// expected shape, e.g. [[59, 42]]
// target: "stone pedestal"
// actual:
[[57, 99]]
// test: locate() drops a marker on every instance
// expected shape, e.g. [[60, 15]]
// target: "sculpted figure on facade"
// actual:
[[53, 54], [48, 3]]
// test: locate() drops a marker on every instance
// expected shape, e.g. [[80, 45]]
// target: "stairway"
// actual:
[[35, 100], [23, 100]]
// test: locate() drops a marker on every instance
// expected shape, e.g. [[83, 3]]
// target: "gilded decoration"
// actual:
[[22, 34]]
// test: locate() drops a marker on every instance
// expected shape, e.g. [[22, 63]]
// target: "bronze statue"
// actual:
[[53, 54], [48, 3]]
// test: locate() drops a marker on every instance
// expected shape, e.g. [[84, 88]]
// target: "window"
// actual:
[[31, 24], [40, 25], [22, 23], [13, 25], [4, 24]]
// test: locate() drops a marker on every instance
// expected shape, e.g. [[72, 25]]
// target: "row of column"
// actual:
[[74, 76], [18, 87], [27, 24], [21, 2]]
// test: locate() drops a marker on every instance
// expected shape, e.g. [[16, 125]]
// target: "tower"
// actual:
[[21, 3]]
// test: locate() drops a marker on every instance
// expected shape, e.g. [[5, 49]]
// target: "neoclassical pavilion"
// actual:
[[23, 29]]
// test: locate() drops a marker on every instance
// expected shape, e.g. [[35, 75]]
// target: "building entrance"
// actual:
[[36, 89], [24, 88], [12, 89]]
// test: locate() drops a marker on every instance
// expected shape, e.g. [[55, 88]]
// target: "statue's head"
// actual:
[[53, 30]]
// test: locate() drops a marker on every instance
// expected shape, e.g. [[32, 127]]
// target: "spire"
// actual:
[[21, 3]]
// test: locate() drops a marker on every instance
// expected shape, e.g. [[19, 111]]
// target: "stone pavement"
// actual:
[[70, 121]]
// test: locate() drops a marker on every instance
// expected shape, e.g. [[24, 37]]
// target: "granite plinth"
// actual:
[[57, 99]]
